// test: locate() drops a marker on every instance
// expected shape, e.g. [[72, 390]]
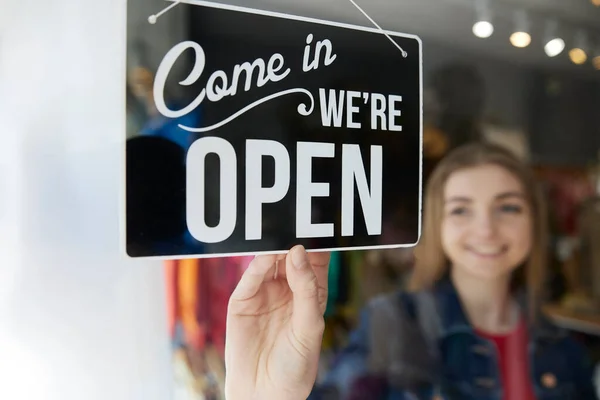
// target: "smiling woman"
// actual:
[[487, 233], [483, 200]]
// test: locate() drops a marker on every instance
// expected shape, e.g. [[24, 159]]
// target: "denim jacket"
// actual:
[[421, 346]]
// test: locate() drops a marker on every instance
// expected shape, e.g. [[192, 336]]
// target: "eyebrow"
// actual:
[[501, 196]]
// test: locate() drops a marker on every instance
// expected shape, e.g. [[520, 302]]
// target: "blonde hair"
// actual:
[[431, 261]]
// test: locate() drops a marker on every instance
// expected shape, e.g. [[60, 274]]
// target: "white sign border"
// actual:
[[123, 233]]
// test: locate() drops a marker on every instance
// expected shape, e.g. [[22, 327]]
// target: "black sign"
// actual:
[[258, 131]]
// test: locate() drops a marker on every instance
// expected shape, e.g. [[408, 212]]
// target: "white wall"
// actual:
[[77, 321]]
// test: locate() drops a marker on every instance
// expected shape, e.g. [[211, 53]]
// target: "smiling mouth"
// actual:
[[488, 252]]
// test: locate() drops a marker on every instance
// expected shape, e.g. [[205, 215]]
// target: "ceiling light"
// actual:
[[520, 37], [578, 54], [596, 59], [596, 62], [554, 44], [483, 27], [596, 2], [554, 47]]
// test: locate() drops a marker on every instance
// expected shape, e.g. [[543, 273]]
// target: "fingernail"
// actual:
[[298, 257]]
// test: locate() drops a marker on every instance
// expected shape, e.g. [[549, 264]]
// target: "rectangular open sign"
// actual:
[[257, 131]]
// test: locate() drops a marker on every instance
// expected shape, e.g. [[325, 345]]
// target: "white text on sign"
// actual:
[[353, 176], [333, 104], [259, 73]]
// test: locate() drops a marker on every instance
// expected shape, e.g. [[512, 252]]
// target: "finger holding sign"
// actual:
[[275, 326], [319, 262]]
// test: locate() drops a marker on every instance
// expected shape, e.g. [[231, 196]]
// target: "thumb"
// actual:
[[307, 318]]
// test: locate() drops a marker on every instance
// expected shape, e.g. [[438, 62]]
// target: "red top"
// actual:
[[513, 361]]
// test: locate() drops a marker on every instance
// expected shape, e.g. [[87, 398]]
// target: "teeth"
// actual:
[[488, 252]]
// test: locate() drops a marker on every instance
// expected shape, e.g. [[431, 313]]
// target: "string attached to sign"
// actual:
[[404, 53], [153, 18]]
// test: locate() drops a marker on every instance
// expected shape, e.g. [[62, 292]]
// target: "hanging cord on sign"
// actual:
[[152, 19], [404, 53]]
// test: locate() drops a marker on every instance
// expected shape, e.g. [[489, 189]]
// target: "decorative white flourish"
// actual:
[[302, 110]]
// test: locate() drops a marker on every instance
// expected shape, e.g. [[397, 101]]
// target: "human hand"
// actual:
[[275, 327]]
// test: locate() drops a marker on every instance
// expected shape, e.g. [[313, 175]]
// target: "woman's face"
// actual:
[[487, 222]]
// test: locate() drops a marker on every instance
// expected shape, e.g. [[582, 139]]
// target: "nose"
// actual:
[[485, 224]]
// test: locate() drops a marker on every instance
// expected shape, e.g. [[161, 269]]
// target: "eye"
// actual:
[[511, 208], [459, 211]]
